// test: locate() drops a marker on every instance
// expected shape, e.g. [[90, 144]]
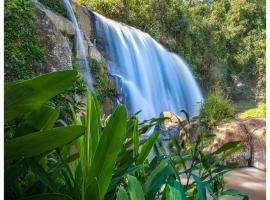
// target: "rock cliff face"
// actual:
[[57, 34]]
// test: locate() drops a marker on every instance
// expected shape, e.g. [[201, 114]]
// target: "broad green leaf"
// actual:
[[175, 191], [42, 141], [108, 148], [40, 119], [172, 193], [93, 120], [147, 146], [48, 196], [200, 187], [22, 97], [157, 178], [121, 194], [43, 118], [135, 188], [92, 190]]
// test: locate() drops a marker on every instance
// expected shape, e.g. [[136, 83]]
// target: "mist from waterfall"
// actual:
[[81, 53], [151, 79]]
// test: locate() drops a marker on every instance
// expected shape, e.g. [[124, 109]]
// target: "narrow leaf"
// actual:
[[108, 148], [147, 146]]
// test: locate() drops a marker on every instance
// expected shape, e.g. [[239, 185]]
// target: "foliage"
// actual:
[[75, 96], [23, 52], [102, 158], [26, 96], [221, 39], [215, 109], [102, 84], [32, 136], [258, 111], [57, 5]]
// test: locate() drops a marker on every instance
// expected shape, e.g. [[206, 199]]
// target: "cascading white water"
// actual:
[[81, 54], [153, 79]]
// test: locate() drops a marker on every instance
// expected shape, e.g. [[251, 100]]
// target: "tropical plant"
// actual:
[[29, 128], [100, 158]]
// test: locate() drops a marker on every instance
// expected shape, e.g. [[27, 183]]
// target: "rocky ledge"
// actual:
[[251, 132]]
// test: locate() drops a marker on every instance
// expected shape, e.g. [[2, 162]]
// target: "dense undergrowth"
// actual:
[[23, 52], [99, 158]]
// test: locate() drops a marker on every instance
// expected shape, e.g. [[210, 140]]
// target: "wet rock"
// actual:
[[170, 127], [54, 33]]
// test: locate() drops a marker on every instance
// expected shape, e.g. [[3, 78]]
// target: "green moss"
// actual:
[[57, 6], [103, 87], [23, 52]]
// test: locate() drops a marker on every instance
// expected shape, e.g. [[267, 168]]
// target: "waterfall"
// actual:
[[81, 53], [151, 79]]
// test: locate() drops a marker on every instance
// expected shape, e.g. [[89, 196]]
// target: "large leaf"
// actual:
[[135, 188], [175, 191], [122, 194], [157, 178], [200, 187], [42, 141], [22, 97], [147, 146], [108, 148], [92, 123], [43, 118]]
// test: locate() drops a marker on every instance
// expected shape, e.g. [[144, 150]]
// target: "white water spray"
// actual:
[[81, 54], [152, 79]]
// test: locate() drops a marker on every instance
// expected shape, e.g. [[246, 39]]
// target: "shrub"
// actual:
[[215, 109]]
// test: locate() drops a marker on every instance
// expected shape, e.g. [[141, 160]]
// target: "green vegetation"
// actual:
[[23, 52], [223, 41], [258, 111], [58, 145], [99, 158], [57, 6], [103, 85], [215, 109]]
